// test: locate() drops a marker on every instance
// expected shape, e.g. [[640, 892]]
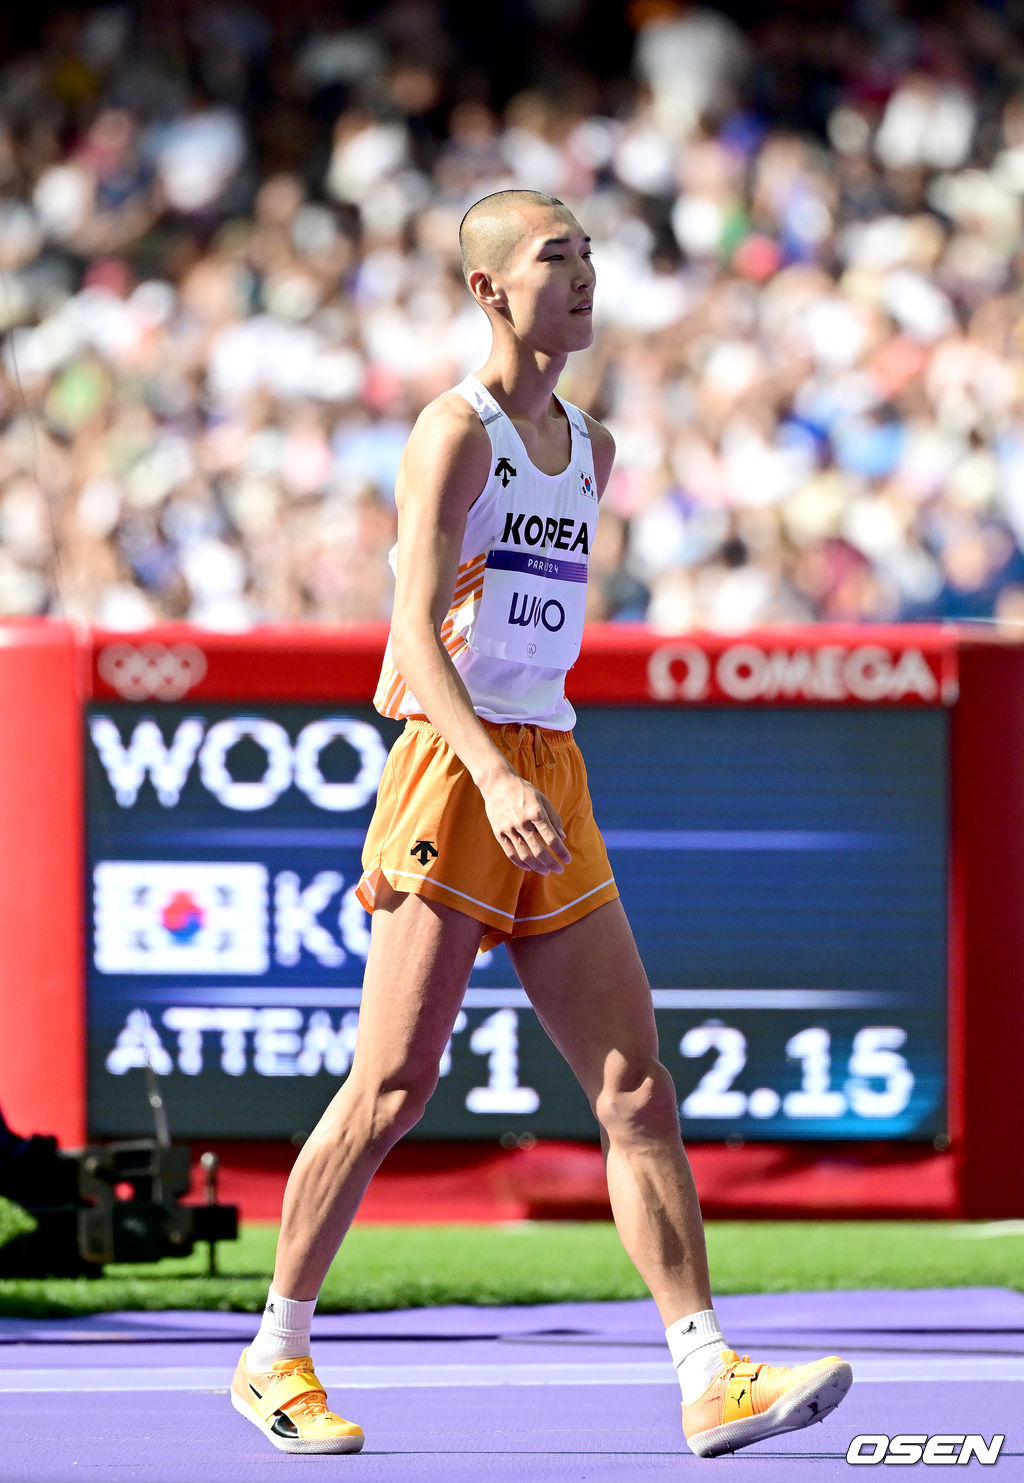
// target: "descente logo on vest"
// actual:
[[531, 530]]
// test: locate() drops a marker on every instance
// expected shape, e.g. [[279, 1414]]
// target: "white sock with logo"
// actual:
[[283, 1332], [696, 1344]]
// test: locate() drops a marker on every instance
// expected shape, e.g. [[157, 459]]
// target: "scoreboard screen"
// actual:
[[785, 870]]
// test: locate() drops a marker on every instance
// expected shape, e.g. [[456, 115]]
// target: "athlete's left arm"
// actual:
[[603, 446]]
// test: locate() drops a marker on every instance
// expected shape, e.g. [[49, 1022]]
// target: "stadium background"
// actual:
[[227, 243], [229, 284]]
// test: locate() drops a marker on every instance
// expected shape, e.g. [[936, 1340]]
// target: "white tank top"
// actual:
[[515, 623]]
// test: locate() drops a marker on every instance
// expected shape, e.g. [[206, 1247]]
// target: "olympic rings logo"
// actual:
[[151, 671]]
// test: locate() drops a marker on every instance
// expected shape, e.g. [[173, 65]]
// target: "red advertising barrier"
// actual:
[[42, 937], [48, 675], [619, 665]]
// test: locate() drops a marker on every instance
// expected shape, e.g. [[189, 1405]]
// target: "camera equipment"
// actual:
[[112, 1202]]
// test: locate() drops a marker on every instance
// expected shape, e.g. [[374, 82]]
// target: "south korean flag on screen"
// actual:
[[180, 917]]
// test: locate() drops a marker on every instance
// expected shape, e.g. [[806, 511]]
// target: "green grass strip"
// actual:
[[384, 1267], [14, 1221]]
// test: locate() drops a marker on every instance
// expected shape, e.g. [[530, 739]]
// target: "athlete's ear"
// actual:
[[485, 291]]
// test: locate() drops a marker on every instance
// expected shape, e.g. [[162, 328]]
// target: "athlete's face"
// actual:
[[548, 282]]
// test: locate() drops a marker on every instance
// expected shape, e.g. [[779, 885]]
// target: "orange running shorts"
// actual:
[[429, 834]]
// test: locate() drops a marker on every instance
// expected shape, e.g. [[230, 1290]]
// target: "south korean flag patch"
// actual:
[[588, 486]]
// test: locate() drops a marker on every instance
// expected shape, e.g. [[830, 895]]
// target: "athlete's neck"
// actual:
[[522, 383]]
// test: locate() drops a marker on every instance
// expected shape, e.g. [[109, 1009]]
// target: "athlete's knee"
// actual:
[[397, 1104], [637, 1100], [377, 1111]]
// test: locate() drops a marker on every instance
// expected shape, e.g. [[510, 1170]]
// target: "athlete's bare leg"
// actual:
[[590, 991], [421, 956]]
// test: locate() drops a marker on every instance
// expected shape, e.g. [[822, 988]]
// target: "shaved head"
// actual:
[[492, 228]]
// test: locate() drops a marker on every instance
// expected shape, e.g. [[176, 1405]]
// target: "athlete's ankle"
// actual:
[[283, 1332], [696, 1344]]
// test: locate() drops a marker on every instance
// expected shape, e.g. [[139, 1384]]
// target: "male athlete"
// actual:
[[498, 497]]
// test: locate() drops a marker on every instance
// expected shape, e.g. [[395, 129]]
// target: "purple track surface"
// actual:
[[569, 1391]]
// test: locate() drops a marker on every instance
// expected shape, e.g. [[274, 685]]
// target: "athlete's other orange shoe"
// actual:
[[747, 1402], [289, 1405]]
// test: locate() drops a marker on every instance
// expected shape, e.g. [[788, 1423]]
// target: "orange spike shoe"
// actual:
[[289, 1405], [747, 1402]]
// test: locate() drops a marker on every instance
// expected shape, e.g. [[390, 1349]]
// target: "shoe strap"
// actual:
[[738, 1401], [281, 1393]]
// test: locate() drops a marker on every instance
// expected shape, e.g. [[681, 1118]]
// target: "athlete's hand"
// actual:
[[526, 825]]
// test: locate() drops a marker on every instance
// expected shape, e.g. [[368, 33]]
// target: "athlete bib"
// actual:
[[515, 622], [532, 605]]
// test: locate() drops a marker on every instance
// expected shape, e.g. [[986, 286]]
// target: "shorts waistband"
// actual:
[[518, 733], [512, 735]]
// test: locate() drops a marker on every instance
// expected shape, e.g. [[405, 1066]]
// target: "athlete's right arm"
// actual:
[[444, 468]]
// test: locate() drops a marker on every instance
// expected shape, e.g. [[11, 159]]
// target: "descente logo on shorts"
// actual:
[[531, 530]]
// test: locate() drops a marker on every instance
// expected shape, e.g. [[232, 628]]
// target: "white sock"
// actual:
[[696, 1344], [283, 1332]]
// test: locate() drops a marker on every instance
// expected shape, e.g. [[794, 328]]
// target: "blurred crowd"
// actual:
[[229, 280]]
